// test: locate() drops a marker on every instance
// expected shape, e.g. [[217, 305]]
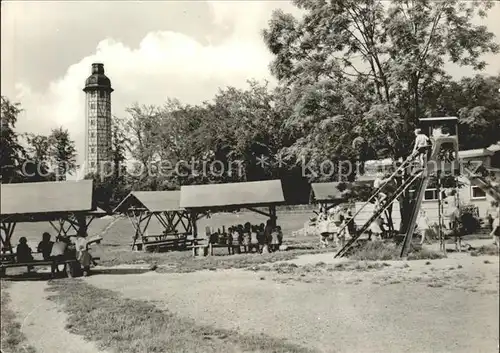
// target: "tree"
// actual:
[[362, 68], [38, 161], [476, 101], [242, 128], [62, 153], [11, 152], [142, 129]]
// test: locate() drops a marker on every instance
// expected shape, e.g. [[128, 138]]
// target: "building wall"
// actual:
[[467, 194]]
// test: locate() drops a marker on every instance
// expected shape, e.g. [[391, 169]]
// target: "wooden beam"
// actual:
[[8, 231], [261, 212]]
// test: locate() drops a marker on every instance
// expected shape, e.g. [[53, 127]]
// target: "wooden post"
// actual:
[[442, 243], [272, 214], [82, 225], [7, 229]]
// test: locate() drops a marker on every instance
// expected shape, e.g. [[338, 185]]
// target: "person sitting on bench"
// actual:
[[23, 253], [58, 252], [45, 246]]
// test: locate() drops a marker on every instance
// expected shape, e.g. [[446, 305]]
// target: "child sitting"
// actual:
[[23, 252]]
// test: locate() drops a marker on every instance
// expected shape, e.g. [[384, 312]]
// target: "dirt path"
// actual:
[[42, 322], [333, 315]]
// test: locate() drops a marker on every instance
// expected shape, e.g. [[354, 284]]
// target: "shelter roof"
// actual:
[[244, 194], [495, 147], [444, 118], [480, 152], [152, 201], [335, 191], [46, 197]]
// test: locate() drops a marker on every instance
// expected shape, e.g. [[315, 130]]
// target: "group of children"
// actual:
[[253, 238], [336, 225]]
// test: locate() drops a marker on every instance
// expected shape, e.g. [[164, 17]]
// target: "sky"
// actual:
[[150, 50]]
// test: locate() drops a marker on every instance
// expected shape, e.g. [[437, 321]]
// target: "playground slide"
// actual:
[[402, 188], [419, 196]]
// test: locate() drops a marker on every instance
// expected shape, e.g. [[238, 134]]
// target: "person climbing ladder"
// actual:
[[421, 147]]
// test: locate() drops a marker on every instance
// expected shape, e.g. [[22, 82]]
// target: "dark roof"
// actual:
[[336, 191], [98, 80], [45, 197], [329, 191], [254, 193], [153, 201]]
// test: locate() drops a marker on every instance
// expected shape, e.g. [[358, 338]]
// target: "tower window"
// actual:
[[92, 105], [92, 122], [92, 134], [92, 150], [102, 94]]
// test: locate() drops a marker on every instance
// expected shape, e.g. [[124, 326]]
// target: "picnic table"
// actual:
[[163, 206]]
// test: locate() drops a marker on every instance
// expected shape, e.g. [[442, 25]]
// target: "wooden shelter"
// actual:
[[66, 205], [141, 206], [331, 194], [254, 195]]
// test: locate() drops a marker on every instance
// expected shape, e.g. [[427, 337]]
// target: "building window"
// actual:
[[92, 134], [431, 195], [102, 94], [92, 105], [92, 150], [477, 193], [92, 122], [92, 164]]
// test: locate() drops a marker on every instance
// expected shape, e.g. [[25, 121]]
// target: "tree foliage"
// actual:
[[11, 152], [62, 152], [371, 63]]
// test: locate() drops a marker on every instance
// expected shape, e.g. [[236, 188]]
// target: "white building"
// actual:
[[468, 193]]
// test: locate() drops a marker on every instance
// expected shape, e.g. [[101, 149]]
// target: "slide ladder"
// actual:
[[402, 188], [405, 164]]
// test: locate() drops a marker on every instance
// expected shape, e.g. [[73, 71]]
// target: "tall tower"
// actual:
[[97, 119]]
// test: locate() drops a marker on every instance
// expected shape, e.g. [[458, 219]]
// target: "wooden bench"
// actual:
[[174, 243], [208, 247], [38, 263]]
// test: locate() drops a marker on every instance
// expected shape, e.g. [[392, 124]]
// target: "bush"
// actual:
[[424, 254], [377, 250], [488, 250], [471, 222]]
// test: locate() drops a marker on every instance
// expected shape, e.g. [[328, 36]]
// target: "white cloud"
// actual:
[[165, 64]]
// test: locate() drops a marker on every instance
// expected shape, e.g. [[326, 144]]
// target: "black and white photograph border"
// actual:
[[250, 176]]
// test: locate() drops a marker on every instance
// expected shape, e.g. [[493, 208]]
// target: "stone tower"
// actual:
[[97, 119]]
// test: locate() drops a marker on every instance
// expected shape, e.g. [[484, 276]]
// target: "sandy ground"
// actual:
[[436, 307], [42, 322]]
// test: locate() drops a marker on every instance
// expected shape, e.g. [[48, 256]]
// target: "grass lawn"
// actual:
[[12, 339], [132, 326]]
